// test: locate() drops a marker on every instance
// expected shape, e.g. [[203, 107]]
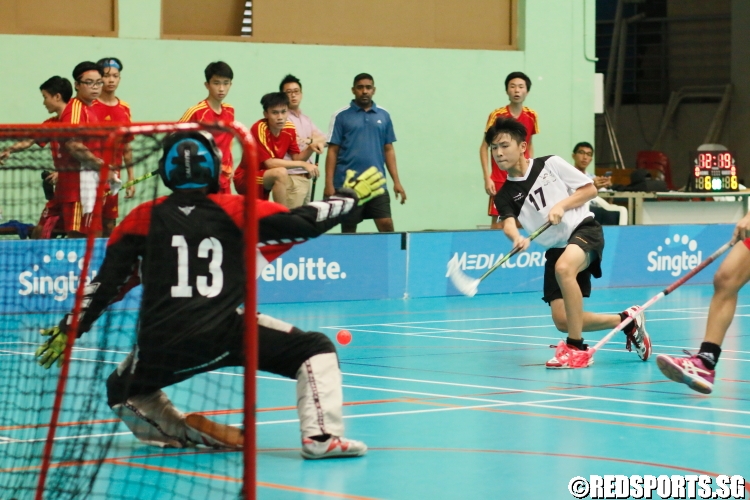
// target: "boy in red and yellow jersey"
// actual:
[[110, 109], [78, 176], [211, 110], [56, 92], [517, 86], [276, 136]]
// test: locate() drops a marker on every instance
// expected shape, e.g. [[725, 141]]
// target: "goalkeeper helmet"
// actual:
[[190, 160]]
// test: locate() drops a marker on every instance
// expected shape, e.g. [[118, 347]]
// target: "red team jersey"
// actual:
[[269, 146], [68, 180], [119, 114], [54, 146], [203, 113], [529, 120]]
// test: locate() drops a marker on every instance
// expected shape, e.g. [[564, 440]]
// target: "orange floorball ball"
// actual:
[[344, 337]]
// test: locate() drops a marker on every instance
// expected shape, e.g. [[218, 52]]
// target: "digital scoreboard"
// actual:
[[713, 171]]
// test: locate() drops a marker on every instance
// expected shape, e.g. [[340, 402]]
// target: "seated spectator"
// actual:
[[308, 134], [275, 136], [583, 153]]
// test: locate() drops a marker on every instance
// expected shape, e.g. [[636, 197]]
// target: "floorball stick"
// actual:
[[580, 359], [119, 186], [468, 286], [315, 179]]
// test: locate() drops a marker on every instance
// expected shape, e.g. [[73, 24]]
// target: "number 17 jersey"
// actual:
[[548, 181]]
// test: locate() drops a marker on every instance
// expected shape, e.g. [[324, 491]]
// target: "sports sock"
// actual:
[[578, 343], [709, 354], [630, 327]]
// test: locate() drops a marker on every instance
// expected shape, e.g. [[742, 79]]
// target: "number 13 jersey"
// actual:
[[548, 181], [187, 250]]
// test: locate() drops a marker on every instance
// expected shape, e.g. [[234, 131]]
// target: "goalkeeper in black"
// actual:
[[185, 249]]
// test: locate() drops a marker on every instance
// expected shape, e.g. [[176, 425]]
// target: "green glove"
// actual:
[[53, 349], [368, 185]]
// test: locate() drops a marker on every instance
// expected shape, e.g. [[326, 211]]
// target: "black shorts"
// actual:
[[376, 208], [590, 237], [153, 365]]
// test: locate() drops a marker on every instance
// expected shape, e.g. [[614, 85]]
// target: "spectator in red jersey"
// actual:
[[109, 108], [78, 176], [276, 137], [56, 92], [517, 86], [211, 110]]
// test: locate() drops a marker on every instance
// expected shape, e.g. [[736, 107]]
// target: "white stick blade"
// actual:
[[464, 284], [114, 186]]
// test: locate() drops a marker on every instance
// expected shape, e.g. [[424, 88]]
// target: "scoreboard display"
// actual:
[[713, 171]]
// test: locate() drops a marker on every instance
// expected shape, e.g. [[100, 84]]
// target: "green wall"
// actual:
[[438, 99]]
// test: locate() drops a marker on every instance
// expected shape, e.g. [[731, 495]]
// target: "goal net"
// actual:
[[95, 426]]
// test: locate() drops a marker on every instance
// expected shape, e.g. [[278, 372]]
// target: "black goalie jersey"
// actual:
[[187, 251], [548, 181]]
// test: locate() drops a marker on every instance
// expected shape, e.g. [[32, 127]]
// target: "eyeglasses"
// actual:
[[91, 83], [590, 154], [293, 92]]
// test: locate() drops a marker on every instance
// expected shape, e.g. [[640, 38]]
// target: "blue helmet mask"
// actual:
[[190, 160]]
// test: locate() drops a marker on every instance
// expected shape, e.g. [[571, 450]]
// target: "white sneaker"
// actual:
[[333, 447], [640, 337], [203, 431]]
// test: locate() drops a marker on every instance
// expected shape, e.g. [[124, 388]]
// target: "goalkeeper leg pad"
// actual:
[[319, 396], [154, 420]]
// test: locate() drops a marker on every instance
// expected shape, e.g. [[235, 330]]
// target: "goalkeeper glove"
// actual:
[[368, 185], [54, 347]]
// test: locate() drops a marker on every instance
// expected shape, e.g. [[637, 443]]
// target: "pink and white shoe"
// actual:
[[689, 371], [333, 447], [639, 338], [562, 357]]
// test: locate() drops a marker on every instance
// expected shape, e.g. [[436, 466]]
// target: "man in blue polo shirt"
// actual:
[[360, 136]]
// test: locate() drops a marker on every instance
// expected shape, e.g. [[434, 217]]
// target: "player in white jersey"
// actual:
[[550, 189]]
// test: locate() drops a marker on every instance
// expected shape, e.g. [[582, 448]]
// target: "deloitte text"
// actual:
[[485, 261], [677, 263], [306, 269]]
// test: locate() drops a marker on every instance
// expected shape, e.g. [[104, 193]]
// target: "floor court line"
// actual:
[[430, 336], [483, 331], [546, 393], [503, 318], [639, 425], [217, 477], [676, 393], [413, 412]]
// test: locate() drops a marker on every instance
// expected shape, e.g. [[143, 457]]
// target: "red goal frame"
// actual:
[[112, 135]]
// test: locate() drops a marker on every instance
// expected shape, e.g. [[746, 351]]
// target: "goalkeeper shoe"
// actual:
[[563, 356], [690, 371], [333, 447], [638, 337], [201, 430]]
